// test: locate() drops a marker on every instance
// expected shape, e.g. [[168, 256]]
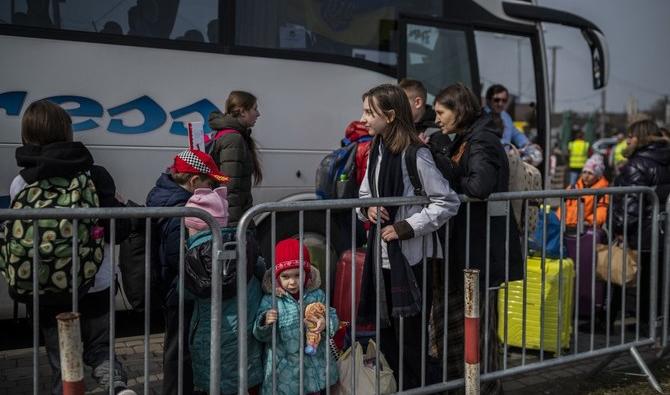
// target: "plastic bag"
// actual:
[[365, 372]]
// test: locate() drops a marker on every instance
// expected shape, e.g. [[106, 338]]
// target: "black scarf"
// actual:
[[405, 291]]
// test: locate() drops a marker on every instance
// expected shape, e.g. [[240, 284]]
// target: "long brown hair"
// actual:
[[237, 102], [463, 102], [386, 98], [646, 132], [44, 123]]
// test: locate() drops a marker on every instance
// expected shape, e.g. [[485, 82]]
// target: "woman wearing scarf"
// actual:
[[386, 112]]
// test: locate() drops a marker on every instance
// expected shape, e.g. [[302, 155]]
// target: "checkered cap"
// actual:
[[197, 162]]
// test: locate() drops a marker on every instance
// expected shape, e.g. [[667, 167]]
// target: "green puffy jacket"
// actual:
[[288, 341]]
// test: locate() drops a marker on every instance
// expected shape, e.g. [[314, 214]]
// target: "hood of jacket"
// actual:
[[167, 193], [61, 159], [219, 121], [313, 283], [356, 130]]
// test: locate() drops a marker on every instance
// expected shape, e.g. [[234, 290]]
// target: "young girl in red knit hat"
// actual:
[[288, 317]]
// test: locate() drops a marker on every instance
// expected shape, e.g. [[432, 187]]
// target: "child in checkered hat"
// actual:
[[288, 318], [190, 170]]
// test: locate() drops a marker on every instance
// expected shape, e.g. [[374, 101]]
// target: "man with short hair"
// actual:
[[423, 115], [579, 153], [191, 170], [497, 97]]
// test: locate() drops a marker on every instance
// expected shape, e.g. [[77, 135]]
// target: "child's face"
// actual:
[[290, 280]]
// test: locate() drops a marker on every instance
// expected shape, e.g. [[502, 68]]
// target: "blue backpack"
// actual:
[[336, 174]]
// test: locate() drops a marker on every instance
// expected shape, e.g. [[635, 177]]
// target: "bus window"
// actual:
[[437, 57], [193, 20], [508, 60], [359, 29]]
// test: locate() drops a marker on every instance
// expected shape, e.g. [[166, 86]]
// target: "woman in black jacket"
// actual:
[[648, 164], [475, 164]]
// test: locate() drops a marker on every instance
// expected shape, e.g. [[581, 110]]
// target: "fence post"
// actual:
[[471, 331], [70, 346]]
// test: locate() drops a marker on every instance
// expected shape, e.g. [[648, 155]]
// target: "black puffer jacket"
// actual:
[[198, 264], [648, 166], [483, 169], [233, 155]]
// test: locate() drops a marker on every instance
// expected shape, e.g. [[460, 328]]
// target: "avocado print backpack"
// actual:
[[55, 241]]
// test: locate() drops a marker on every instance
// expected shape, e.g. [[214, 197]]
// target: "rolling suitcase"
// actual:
[[342, 294], [555, 286], [585, 270]]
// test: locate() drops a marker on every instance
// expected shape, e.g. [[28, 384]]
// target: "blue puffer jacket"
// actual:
[[200, 332], [167, 193], [290, 319]]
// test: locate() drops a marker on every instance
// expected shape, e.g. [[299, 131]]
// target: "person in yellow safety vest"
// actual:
[[579, 153], [619, 159]]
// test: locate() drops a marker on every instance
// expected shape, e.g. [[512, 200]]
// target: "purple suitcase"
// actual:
[[586, 270]]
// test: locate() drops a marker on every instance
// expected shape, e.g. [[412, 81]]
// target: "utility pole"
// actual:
[[518, 59], [553, 48], [603, 112]]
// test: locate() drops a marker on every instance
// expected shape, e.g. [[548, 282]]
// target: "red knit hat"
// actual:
[[197, 162], [287, 256]]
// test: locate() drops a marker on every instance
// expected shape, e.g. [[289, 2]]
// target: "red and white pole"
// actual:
[[71, 348], [471, 331]]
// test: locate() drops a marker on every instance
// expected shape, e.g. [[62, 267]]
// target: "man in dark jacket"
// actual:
[[191, 170]]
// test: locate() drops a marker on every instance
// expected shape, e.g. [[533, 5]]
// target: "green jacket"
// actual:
[[288, 341], [199, 338], [233, 155]]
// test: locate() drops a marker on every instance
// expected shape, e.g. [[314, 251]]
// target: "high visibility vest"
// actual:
[[618, 152], [579, 152]]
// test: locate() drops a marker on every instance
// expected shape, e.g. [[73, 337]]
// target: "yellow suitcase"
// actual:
[[534, 301]]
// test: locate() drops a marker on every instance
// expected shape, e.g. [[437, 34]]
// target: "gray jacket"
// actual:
[[423, 220]]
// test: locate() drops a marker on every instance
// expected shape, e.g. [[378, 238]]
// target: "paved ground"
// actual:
[[16, 370]]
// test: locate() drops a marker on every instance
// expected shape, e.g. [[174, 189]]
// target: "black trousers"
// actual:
[[171, 350], [390, 336]]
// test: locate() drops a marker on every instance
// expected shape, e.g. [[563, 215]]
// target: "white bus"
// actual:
[[132, 72]]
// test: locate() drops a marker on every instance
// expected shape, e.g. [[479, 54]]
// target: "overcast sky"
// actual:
[[638, 36]]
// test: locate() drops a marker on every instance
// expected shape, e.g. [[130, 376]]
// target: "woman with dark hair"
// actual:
[[647, 164], [235, 150], [387, 114], [476, 165]]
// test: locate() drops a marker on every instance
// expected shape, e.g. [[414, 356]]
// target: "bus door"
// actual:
[[441, 52]]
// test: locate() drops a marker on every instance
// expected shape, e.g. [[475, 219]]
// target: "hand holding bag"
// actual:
[[618, 264]]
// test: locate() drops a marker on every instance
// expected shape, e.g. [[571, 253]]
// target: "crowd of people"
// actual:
[[456, 146]]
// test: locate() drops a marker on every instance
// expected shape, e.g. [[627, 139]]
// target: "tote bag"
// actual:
[[365, 372]]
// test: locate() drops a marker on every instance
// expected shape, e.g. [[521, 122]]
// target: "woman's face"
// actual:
[[444, 118], [631, 140], [248, 117], [376, 123]]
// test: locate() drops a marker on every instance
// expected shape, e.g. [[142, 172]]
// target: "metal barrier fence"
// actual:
[[559, 283], [127, 213], [666, 279], [550, 351]]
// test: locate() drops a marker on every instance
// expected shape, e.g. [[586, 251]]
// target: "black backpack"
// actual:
[[336, 174], [412, 171]]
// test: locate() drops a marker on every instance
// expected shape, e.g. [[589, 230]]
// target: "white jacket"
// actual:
[[444, 203]]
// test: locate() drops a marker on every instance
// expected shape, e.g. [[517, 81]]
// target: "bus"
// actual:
[[132, 73]]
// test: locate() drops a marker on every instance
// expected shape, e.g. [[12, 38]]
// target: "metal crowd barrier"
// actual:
[[498, 205], [130, 213], [666, 278]]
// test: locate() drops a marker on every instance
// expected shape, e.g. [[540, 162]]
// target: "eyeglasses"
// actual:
[[499, 100]]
